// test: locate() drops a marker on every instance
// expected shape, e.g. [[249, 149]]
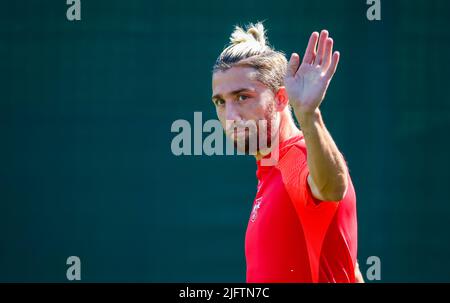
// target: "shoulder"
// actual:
[[293, 166], [293, 155]]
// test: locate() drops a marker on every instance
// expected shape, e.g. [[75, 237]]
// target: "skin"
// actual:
[[239, 97], [306, 84]]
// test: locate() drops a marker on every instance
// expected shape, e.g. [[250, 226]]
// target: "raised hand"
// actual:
[[306, 85]]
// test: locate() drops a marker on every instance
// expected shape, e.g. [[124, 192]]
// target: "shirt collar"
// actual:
[[283, 148]]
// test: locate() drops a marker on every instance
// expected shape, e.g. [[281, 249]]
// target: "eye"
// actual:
[[218, 102], [242, 98]]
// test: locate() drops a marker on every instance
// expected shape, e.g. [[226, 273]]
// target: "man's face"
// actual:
[[246, 109]]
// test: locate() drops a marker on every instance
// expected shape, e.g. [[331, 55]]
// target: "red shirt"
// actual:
[[293, 237]]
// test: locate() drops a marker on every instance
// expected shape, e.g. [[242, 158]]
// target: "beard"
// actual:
[[254, 137]]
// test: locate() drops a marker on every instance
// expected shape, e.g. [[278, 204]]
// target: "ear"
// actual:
[[281, 99]]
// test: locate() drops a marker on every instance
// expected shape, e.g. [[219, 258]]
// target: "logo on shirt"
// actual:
[[255, 209]]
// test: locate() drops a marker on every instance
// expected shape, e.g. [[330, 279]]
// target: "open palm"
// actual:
[[307, 84]]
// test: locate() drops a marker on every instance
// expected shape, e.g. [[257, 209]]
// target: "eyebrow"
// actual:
[[235, 92]]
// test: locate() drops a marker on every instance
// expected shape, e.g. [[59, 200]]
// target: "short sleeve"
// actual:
[[294, 172]]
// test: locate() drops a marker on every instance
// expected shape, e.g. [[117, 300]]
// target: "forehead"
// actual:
[[235, 78]]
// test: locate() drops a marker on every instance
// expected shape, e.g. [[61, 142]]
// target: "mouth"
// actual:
[[237, 134]]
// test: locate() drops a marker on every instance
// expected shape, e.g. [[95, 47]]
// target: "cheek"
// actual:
[[221, 116], [255, 110]]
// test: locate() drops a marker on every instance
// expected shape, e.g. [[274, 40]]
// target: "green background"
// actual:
[[86, 108]]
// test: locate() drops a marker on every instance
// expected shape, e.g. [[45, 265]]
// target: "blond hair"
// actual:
[[250, 48]]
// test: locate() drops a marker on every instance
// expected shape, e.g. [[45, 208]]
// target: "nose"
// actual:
[[232, 111]]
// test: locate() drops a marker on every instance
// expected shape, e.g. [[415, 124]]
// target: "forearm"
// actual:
[[325, 163]]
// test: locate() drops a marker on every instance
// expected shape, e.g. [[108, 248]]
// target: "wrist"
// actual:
[[308, 118]]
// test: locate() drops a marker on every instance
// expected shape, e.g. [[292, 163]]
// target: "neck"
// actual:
[[287, 130]]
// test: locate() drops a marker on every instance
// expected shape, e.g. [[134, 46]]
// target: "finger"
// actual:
[[327, 53], [293, 65], [310, 51], [320, 49], [332, 69]]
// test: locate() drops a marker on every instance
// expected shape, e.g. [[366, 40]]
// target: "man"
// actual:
[[302, 227]]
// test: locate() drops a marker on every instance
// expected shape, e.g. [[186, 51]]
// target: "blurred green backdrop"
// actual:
[[86, 108]]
